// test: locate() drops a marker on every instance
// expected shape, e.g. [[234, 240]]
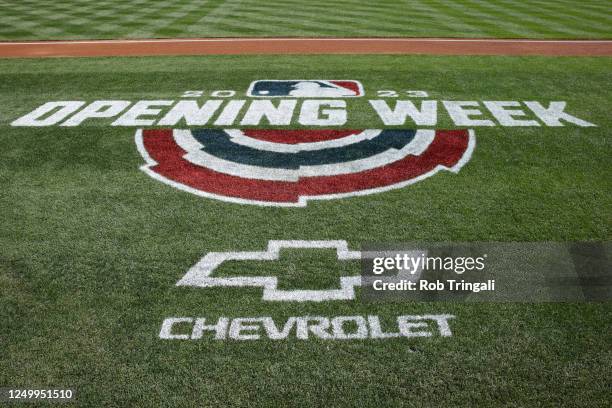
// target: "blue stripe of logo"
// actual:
[[218, 143]]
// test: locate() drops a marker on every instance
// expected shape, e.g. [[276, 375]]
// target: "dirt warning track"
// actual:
[[246, 46]]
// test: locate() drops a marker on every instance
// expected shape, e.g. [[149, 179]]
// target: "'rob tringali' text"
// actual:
[[437, 285]]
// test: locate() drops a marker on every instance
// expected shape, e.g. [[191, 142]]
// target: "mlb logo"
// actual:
[[298, 88]]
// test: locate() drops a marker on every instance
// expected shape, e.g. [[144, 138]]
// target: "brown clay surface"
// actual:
[[245, 46]]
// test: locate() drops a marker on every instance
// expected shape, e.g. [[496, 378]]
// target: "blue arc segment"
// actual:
[[219, 144]]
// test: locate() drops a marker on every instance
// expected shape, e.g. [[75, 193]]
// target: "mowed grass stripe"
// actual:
[[526, 22], [404, 22], [601, 17], [153, 27], [78, 19], [444, 24], [307, 16], [326, 24], [559, 22], [489, 17], [318, 9], [574, 27], [480, 22]]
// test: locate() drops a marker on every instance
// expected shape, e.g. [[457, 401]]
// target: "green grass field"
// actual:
[[91, 247], [78, 19]]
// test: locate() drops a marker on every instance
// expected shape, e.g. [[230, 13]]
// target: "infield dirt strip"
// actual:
[[245, 46]]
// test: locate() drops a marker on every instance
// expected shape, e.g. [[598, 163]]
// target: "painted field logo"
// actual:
[[306, 89], [202, 273], [290, 167]]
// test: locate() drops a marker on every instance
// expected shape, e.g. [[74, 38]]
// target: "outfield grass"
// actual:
[[91, 248], [78, 19]]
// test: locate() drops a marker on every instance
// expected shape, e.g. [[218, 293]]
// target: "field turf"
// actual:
[[91, 247], [79, 19]]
